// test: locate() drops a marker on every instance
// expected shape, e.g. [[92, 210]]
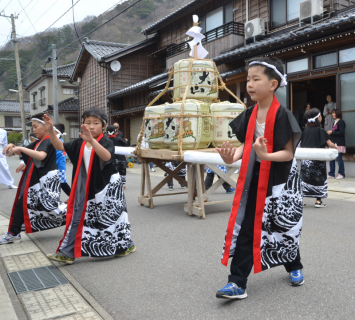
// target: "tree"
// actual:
[[142, 9]]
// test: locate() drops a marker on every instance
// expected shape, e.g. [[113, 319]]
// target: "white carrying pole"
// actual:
[[214, 158]]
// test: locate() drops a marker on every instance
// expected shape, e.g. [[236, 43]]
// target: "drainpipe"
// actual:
[[331, 6], [247, 10]]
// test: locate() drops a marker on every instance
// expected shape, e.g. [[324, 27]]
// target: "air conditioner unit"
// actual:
[[311, 8], [255, 27]]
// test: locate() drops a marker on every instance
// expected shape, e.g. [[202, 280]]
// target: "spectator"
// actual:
[[337, 135], [119, 133], [327, 112], [301, 119]]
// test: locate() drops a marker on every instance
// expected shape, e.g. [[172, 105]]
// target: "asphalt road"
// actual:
[[176, 270]]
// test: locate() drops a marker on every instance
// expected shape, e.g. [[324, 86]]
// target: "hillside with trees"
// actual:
[[34, 50]]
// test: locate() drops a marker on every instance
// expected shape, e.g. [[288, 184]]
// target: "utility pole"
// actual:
[[55, 93], [19, 81]]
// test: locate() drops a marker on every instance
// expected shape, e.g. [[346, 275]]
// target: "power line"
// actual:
[[28, 11], [58, 18], [101, 25], [72, 2], [6, 6], [23, 9]]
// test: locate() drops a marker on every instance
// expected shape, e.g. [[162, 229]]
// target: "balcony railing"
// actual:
[[42, 102], [236, 28]]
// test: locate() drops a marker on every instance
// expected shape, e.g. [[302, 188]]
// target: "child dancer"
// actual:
[[120, 159], [266, 219], [314, 173], [97, 220], [37, 202], [61, 161]]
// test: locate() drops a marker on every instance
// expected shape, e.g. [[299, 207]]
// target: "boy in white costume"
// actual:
[[5, 175]]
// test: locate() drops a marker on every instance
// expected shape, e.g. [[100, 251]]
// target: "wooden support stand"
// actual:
[[196, 181], [197, 194]]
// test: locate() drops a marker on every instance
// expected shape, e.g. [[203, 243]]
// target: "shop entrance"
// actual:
[[313, 91]]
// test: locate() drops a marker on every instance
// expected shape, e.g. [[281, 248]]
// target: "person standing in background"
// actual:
[[301, 119], [5, 175], [337, 135], [327, 113]]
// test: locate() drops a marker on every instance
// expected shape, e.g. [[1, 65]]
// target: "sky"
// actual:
[[40, 14]]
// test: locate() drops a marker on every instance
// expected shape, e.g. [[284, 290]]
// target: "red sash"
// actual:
[[262, 186], [26, 216], [71, 201]]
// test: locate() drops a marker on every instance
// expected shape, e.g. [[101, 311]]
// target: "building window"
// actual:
[[347, 55], [325, 60], [12, 122], [68, 91], [217, 17], [73, 130], [284, 11], [347, 96], [214, 19], [297, 65]]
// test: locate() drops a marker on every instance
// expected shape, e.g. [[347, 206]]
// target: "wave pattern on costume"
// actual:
[[121, 167], [281, 227], [44, 207], [106, 228], [314, 179]]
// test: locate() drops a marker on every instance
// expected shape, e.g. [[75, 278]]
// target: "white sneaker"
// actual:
[[11, 186], [153, 170], [340, 177], [8, 238], [330, 177]]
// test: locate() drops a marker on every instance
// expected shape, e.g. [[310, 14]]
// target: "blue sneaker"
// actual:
[[296, 278], [231, 291], [231, 190], [8, 238]]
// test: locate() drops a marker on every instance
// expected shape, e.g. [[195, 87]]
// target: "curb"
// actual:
[[17, 300]]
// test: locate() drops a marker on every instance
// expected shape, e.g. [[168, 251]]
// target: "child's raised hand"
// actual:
[[86, 135], [48, 123], [227, 152], [8, 147], [12, 151], [260, 148], [20, 168]]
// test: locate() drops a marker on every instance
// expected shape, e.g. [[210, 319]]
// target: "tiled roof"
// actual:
[[13, 106], [12, 129], [133, 47], [130, 110], [70, 104], [137, 86], [187, 7], [99, 49], [65, 70], [291, 34]]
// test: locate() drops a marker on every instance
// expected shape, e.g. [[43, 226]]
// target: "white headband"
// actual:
[[110, 133], [41, 121], [283, 77], [315, 118]]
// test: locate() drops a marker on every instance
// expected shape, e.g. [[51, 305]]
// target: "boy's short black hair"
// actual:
[[271, 74], [95, 112], [311, 113], [111, 128], [60, 127], [38, 116]]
